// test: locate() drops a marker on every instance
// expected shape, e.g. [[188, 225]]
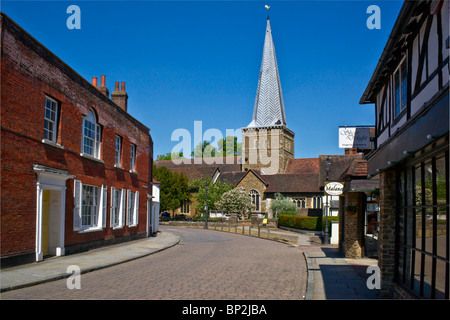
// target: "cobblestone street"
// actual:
[[206, 265]]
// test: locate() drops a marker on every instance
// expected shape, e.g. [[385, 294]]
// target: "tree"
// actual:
[[204, 150], [236, 201], [229, 147], [282, 204], [174, 189], [170, 156], [215, 192]]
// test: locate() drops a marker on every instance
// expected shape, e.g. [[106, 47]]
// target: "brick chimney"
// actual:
[[120, 97], [102, 88]]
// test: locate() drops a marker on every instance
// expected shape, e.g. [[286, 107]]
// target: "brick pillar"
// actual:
[[386, 235], [353, 238]]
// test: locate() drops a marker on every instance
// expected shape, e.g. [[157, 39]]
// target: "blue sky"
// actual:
[[186, 61]]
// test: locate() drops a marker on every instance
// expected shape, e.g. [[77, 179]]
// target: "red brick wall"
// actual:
[[29, 73]]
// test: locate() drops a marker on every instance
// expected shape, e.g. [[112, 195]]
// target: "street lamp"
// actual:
[[326, 239], [206, 205]]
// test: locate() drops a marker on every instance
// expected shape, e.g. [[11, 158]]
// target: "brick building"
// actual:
[[409, 88], [76, 167]]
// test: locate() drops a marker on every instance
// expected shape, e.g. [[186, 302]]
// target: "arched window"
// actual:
[[254, 195], [91, 135]]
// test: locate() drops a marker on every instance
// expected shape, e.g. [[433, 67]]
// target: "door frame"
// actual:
[[50, 179]]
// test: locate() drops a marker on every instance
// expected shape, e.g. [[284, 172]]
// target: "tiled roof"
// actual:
[[232, 177], [302, 166], [287, 183], [339, 165], [225, 164], [358, 168], [193, 173]]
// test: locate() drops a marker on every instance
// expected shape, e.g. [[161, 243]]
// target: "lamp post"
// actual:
[[206, 205], [326, 239]]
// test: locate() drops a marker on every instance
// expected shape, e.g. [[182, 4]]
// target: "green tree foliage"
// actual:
[[229, 147], [282, 204], [170, 156], [215, 191], [236, 201], [174, 189], [204, 150]]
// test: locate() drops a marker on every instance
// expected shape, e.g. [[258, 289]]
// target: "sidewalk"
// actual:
[[331, 276], [56, 268]]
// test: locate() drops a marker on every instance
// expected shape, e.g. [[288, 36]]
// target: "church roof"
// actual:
[[301, 166], [269, 106]]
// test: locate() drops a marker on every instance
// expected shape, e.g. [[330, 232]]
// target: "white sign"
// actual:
[[334, 188], [354, 138]]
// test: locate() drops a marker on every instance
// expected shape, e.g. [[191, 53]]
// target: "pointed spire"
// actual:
[[269, 106]]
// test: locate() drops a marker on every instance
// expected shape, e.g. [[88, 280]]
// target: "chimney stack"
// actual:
[[102, 88], [120, 97]]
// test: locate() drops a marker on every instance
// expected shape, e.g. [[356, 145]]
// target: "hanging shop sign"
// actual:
[[354, 137], [333, 188]]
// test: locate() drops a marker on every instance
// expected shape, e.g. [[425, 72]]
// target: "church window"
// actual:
[[254, 195]]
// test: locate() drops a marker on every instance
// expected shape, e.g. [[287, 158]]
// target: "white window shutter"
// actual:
[[136, 208], [104, 205], [122, 209], [77, 195], [113, 201], [128, 206]]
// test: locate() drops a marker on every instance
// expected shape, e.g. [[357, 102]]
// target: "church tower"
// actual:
[[267, 142]]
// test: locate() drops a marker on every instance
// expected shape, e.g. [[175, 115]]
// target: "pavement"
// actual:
[[56, 268], [330, 275]]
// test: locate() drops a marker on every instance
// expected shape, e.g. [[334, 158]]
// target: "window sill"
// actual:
[[53, 144], [84, 155], [117, 227], [119, 167], [133, 172], [90, 229]]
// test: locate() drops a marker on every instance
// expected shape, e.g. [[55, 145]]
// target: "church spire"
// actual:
[[269, 107]]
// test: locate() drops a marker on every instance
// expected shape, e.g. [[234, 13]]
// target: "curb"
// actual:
[[86, 270], [310, 281]]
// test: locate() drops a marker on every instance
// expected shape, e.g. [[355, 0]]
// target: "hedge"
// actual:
[[304, 223]]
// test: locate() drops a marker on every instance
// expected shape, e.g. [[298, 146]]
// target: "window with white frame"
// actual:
[[91, 136], [132, 207], [89, 206], [254, 195], [400, 87], [118, 150], [51, 120], [132, 157], [90, 203]]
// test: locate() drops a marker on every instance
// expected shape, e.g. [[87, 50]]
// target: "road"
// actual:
[[205, 265]]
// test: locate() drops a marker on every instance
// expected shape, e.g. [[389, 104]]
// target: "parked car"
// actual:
[[165, 216]]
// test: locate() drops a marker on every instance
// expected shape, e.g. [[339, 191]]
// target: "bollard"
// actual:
[[222, 225], [243, 229], [259, 231], [250, 230], [235, 228], [268, 232]]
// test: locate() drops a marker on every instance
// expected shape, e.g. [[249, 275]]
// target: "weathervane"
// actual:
[[267, 7]]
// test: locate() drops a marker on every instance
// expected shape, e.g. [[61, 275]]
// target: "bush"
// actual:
[[304, 223]]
